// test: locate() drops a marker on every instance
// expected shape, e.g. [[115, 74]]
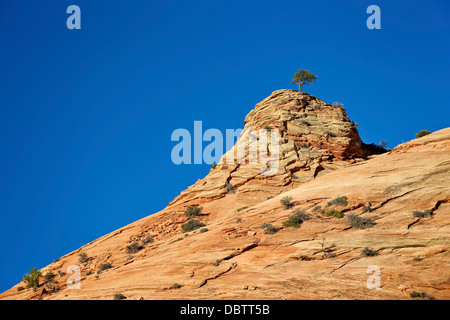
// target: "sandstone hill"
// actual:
[[389, 212]]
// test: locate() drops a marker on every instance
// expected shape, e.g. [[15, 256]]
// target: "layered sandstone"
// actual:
[[322, 259]]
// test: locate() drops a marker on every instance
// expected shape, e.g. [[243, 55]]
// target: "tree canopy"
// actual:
[[302, 77]]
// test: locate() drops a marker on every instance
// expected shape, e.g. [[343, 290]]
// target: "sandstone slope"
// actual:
[[322, 259]]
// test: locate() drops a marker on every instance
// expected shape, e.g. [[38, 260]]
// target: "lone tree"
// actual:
[[302, 77]]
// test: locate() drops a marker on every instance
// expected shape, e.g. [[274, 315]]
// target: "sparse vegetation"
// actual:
[[148, 239], [20, 288], [230, 188], [178, 239], [301, 213], [317, 209], [61, 273], [83, 257], [216, 263], [269, 229], [191, 225], [193, 211], [202, 230], [422, 295], [133, 248], [422, 133], [367, 208], [367, 252], [333, 213], [293, 221], [341, 201], [422, 214], [338, 105], [287, 202], [175, 286], [104, 267], [240, 209], [32, 278], [359, 222], [268, 128], [48, 276], [119, 296], [89, 273]]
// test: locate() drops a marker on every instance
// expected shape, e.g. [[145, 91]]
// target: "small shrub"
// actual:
[[148, 239], [317, 209], [422, 295], [230, 187], [20, 288], [175, 286], [422, 133], [119, 296], [268, 198], [48, 276], [366, 209], [301, 213], [89, 273], [202, 230], [268, 128], [342, 201], [293, 221], [333, 213], [216, 263], [338, 105], [83, 257], [191, 225], [358, 222], [287, 202], [269, 229], [105, 266], [130, 257], [178, 239], [422, 214], [214, 166], [61, 273], [355, 124], [367, 252], [238, 219], [133, 247], [240, 209], [193, 211]]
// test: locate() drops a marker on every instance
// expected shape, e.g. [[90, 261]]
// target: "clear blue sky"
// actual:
[[86, 115]]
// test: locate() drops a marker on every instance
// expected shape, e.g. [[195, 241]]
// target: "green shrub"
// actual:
[[333, 213], [175, 286], [269, 229], [89, 273], [240, 209], [148, 239], [367, 209], [287, 202], [32, 278], [202, 230], [193, 211], [61, 273], [48, 276], [338, 105], [367, 252], [268, 128], [293, 221], [191, 225], [342, 201], [176, 240], [422, 133], [214, 166], [422, 295], [358, 222], [119, 296], [301, 213], [317, 209], [216, 263], [422, 214], [20, 288], [83, 257], [133, 247], [105, 266]]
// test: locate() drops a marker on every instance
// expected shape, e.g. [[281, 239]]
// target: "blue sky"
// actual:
[[86, 115]]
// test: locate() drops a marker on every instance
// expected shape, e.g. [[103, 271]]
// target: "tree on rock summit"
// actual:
[[302, 77]]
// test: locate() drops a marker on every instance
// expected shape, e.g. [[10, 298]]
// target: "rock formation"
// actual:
[[390, 216]]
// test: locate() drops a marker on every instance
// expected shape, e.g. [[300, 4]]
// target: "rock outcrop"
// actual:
[[398, 202]]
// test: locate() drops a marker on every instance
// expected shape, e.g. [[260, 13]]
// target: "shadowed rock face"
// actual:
[[322, 259], [314, 139]]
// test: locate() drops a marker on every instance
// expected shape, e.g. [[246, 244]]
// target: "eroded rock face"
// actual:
[[314, 139], [235, 258]]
